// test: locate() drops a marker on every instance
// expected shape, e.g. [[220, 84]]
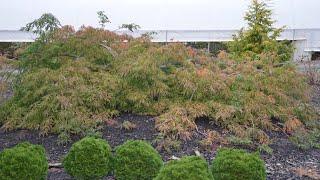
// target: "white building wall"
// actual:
[[299, 51], [305, 41]]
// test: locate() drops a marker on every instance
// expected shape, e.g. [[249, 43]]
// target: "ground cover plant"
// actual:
[[89, 158], [237, 164], [24, 161], [136, 160], [187, 168]]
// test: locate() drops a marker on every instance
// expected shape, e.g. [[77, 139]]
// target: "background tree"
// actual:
[[131, 27], [46, 23], [103, 19], [260, 37]]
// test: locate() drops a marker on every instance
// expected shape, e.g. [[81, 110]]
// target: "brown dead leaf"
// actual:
[[304, 172]]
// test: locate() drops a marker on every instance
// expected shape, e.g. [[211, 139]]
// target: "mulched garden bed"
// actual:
[[286, 161]]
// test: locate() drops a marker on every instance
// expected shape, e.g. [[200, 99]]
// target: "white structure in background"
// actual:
[[306, 41], [16, 36]]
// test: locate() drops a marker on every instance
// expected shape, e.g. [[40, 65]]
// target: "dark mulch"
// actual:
[[280, 164]]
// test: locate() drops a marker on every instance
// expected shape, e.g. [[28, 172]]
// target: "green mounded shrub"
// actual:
[[136, 160], [88, 158], [75, 90], [24, 161], [238, 164], [187, 168]]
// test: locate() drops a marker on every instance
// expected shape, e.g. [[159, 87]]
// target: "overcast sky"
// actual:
[[157, 14]]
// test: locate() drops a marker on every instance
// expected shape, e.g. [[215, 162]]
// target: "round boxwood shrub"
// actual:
[[24, 161], [88, 158], [136, 160], [187, 168], [238, 164]]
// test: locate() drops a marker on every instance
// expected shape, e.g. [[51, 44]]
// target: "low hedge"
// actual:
[[24, 161], [188, 168], [237, 164], [89, 158], [136, 160]]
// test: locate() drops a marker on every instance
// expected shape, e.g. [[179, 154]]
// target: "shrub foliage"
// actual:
[[6, 76], [260, 37], [24, 161], [77, 80], [237, 164], [64, 86], [187, 168], [88, 158], [136, 160]]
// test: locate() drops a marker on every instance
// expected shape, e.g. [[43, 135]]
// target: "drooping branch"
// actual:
[[113, 52]]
